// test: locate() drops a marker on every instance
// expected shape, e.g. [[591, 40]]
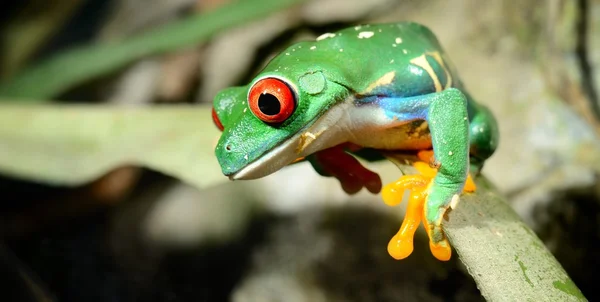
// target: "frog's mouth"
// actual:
[[327, 130], [271, 161]]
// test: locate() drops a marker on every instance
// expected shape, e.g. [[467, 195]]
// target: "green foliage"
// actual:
[[67, 69], [72, 145]]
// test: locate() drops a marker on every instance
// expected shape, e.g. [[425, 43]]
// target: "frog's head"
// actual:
[[277, 119]]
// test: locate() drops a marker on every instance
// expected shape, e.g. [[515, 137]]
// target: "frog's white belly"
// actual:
[[370, 127], [364, 126]]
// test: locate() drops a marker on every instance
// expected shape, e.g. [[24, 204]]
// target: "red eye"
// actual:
[[216, 120], [271, 100]]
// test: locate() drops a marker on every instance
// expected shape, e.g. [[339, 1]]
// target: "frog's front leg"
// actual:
[[446, 116]]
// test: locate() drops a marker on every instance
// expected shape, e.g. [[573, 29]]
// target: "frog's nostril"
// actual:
[[228, 147]]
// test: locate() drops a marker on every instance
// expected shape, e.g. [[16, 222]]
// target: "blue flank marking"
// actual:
[[401, 108]]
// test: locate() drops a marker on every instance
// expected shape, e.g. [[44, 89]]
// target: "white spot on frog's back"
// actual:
[[365, 34], [398, 40], [325, 36], [313, 47], [386, 79]]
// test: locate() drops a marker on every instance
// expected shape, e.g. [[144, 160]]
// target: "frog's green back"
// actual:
[[397, 59]]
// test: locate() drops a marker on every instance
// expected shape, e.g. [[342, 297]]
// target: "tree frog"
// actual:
[[383, 87]]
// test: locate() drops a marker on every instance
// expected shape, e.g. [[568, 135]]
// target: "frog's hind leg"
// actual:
[[428, 157], [484, 135], [446, 115]]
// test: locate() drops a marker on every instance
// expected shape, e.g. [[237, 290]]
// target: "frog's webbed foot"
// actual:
[[353, 176], [421, 208]]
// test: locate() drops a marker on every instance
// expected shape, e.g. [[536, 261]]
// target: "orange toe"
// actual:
[[401, 245]]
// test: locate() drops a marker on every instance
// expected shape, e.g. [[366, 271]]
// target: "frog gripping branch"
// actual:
[[383, 87]]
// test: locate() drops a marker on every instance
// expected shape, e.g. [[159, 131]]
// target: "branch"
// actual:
[[504, 256]]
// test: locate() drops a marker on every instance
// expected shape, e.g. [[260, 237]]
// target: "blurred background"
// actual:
[[136, 234]]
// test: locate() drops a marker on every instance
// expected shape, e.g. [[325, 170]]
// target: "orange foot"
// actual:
[[401, 245]]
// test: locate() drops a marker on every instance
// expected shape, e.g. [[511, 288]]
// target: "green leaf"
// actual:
[[72, 145], [75, 66]]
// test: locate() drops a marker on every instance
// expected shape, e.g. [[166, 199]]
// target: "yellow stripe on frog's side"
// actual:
[[422, 62], [386, 79], [436, 56]]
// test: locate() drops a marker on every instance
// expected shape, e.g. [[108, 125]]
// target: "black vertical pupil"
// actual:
[[269, 104]]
